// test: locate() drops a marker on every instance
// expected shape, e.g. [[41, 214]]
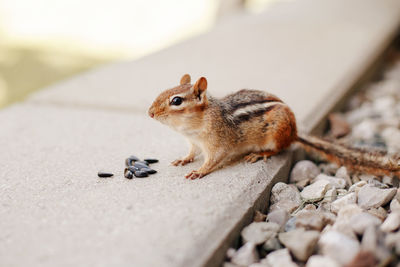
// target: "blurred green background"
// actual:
[[45, 41]]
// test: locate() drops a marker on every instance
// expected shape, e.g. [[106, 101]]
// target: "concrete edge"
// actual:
[[261, 203]]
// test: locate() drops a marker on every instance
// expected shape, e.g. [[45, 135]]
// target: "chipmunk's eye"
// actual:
[[176, 101]]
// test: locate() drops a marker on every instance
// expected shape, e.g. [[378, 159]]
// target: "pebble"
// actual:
[[304, 170], [272, 244], [361, 221], [310, 220], [335, 182], [392, 222], [259, 232], [330, 195], [369, 239], [356, 187], [279, 217], [377, 184], [379, 212], [151, 161], [280, 258], [300, 243], [394, 205], [282, 191], [365, 130], [285, 204], [373, 197], [339, 203], [321, 261], [338, 246], [245, 255], [328, 168], [392, 240], [290, 224], [344, 174], [105, 174], [315, 191]]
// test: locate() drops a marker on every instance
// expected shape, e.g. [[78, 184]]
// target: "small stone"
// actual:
[[259, 217], [246, 255], [285, 204], [151, 161], [359, 222], [259, 264], [333, 181], [105, 174], [315, 191], [379, 212], [290, 224], [259, 232], [394, 205], [300, 242], [338, 246], [339, 127], [310, 220], [341, 192], [282, 191], [392, 240], [387, 180], [350, 198], [391, 135], [272, 244], [140, 174], [344, 174], [373, 197], [330, 195], [301, 184], [280, 258], [328, 168], [356, 187], [279, 217], [392, 222], [376, 183], [304, 170], [230, 253], [366, 177], [365, 130], [319, 261], [369, 239]]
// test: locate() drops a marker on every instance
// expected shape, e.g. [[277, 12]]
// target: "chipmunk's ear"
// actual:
[[200, 87], [185, 79]]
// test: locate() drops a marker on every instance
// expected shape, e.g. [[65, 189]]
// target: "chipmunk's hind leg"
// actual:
[[253, 157]]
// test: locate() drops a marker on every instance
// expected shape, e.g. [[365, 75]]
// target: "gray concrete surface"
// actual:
[[55, 211]]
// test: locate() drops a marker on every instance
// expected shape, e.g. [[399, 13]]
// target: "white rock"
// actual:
[[330, 195], [344, 174], [383, 103], [285, 204], [310, 220], [366, 129], [379, 212], [334, 181], [359, 222], [279, 217], [321, 261], [369, 239], [392, 240], [259, 232], [346, 212], [315, 191], [391, 135], [356, 187], [387, 180], [272, 244], [391, 223], [394, 205], [304, 170], [230, 253], [373, 197], [350, 198], [259, 264], [246, 255], [300, 242], [282, 191], [338, 247], [341, 193], [280, 258]]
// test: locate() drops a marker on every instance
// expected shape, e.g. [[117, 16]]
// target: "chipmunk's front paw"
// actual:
[[182, 162], [194, 175]]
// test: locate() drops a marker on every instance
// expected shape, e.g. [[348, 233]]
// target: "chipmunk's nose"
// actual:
[[151, 113]]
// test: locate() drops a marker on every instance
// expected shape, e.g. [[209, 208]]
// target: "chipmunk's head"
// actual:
[[178, 107]]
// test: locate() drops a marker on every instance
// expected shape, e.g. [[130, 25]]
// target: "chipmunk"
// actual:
[[248, 123]]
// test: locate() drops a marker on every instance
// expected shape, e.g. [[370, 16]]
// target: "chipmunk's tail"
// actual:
[[376, 162]]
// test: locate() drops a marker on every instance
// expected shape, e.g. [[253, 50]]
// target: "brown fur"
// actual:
[[248, 122]]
